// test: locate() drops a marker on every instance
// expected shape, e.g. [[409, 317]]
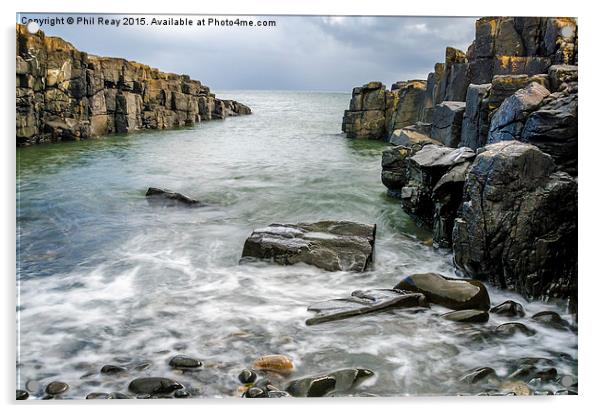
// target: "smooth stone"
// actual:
[[22, 395], [143, 396], [118, 395], [547, 374], [276, 394], [181, 394], [153, 385], [363, 302], [453, 293], [169, 197], [321, 385], [111, 369], [255, 393], [525, 371], [183, 362], [56, 387], [275, 362], [517, 388], [477, 374], [510, 329], [508, 308], [247, 376], [551, 319], [467, 316], [565, 392], [97, 396]]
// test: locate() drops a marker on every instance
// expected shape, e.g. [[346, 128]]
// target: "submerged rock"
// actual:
[[477, 374], [118, 395], [169, 198], [274, 362], [510, 329], [467, 316], [330, 245], [551, 319], [94, 396], [508, 308], [321, 385], [183, 362], [22, 395], [56, 387], [153, 385], [456, 294], [111, 369], [364, 302]]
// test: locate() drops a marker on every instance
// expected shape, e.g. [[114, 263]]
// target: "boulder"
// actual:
[[508, 121], [169, 198], [410, 136], [153, 385], [363, 302], [475, 123], [330, 245], [452, 293], [324, 384], [517, 226], [511, 329], [504, 86], [508, 308], [560, 74], [447, 123], [551, 319]]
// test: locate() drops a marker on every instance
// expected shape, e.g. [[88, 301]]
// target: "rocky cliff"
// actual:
[[486, 152], [66, 94]]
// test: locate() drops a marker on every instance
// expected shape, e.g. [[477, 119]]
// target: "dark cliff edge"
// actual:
[[485, 152], [65, 94]]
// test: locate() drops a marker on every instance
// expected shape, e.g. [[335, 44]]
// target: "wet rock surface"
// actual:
[[153, 386], [158, 196], [22, 395], [508, 308], [56, 387], [184, 362], [467, 316], [456, 294], [330, 245], [364, 302], [322, 385]]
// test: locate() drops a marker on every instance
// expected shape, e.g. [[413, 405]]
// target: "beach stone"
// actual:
[[247, 376], [510, 329], [169, 198], [508, 308], [276, 394], [452, 293], [477, 374], [118, 395], [153, 385], [110, 369], [181, 394], [274, 362], [22, 395], [321, 385], [255, 393], [518, 388], [183, 362], [363, 302], [97, 396], [143, 396], [551, 319], [330, 245], [467, 316], [56, 387]]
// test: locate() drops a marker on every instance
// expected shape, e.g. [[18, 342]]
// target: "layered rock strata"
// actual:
[[65, 94]]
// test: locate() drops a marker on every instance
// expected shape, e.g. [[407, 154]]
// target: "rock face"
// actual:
[[330, 245], [65, 94], [365, 118], [408, 100], [364, 302], [475, 124], [447, 123], [517, 226], [452, 293]]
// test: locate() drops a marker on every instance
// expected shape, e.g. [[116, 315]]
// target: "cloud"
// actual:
[[301, 52]]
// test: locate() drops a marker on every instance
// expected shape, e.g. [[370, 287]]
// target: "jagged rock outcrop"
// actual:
[[407, 104], [65, 94], [365, 118], [517, 226], [447, 123], [475, 124]]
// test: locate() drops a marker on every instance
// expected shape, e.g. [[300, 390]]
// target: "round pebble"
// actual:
[[22, 395], [247, 376], [56, 387]]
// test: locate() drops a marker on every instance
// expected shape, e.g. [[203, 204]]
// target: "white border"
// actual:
[[590, 371]]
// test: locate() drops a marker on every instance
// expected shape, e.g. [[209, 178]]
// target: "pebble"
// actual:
[[22, 395], [478, 374], [118, 395], [181, 394], [111, 369], [97, 396], [275, 362], [510, 329], [247, 376], [56, 387], [183, 362], [153, 385], [254, 393], [509, 308]]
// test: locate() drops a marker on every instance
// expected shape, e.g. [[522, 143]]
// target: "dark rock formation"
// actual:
[[363, 302], [183, 362], [508, 308], [475, 124], [551, 319], [455, 79], [453, 293], [407, 104], [330, 245], [477, 374], [65, 94], [518, 224], [447, 123], [169, 198], [511, 329], [323, 384]]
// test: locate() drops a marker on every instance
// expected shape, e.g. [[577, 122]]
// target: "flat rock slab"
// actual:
[[453, 293], [330, 245], [364, 302]]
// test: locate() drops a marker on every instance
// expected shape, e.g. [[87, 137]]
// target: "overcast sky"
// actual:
[[301, 52]]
